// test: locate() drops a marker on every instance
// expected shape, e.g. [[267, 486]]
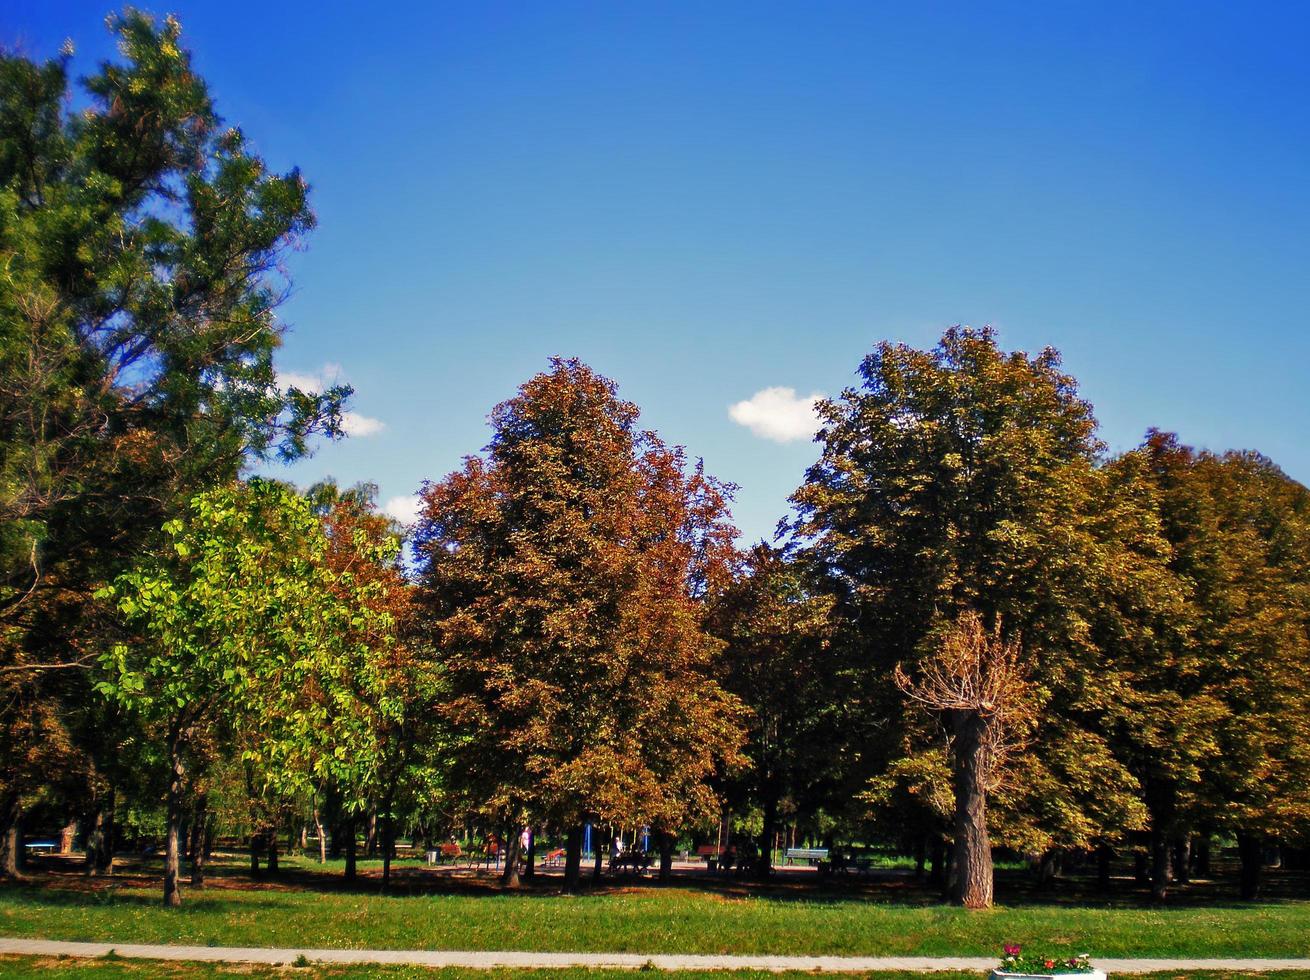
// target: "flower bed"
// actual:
[[1018, 964]]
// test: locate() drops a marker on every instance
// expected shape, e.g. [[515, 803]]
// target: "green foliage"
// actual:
[[245, 630]]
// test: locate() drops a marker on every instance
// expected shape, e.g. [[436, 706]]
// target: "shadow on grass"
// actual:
[[57, 879]]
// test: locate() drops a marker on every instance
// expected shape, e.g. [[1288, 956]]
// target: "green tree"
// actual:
[[781, 664], [140, 242], [246, 636]]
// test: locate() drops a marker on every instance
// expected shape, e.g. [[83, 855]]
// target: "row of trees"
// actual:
[[976, 628]]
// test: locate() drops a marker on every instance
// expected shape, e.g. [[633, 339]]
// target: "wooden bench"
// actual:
[[810, 855]]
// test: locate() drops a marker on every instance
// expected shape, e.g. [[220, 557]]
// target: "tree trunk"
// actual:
[[509, 875], [1201, 856], [199, 840], [1161, 870], [256, 848], [1183, 859], [95, 836], [352, 866], [322, 838], [1250, 851], [176, 789], [388, 846], [573, 860], [920, 856], [764, 861], [937, 864], [270, 845], [11, 839], [666, 843], [973, 849], [601, 847], [530, 864], [371, 835]]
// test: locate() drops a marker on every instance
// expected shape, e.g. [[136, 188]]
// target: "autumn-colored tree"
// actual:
[[561, 576], [365, 559], [963, 478], [1240, 533]]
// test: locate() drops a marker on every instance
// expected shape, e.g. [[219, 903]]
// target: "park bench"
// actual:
[[810, 855]]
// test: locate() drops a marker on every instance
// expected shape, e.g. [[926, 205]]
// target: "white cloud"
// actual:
[[352, 423], [325, 377], [403, 509], [359, 426], [778, 414]]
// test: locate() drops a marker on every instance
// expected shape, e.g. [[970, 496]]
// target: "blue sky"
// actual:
[[705, 200]]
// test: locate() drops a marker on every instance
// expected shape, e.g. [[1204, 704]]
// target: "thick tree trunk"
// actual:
[[600, 846], [920, 856], [322, 837], [1250, 851], [666, 843], [573, 860], [973, 849], [199, 840], [256, 848], [371, 835], [67, 836], [509, 875], [176, 789]]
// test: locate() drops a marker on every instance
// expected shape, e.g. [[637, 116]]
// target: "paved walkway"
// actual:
[[629, 961]]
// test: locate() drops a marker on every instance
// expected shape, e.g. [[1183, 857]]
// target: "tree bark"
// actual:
[[920, 856], [509, 875], [11, 840], [176, 789], [388, 846], [67, 836], [371, 835], [573, 860], [973, 849], [601, 847], [1250, 851]]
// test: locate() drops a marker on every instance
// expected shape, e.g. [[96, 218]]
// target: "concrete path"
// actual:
[[625, 961]]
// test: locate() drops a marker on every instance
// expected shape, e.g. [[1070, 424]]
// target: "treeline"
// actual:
[[977, 629]]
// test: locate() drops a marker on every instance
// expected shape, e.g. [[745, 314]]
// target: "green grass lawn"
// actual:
[[310, 908], [61, 969]]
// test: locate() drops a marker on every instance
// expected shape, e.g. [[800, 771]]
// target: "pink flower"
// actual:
[[1011, 949]]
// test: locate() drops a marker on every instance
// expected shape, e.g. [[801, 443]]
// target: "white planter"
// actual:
[[1092, 975]]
